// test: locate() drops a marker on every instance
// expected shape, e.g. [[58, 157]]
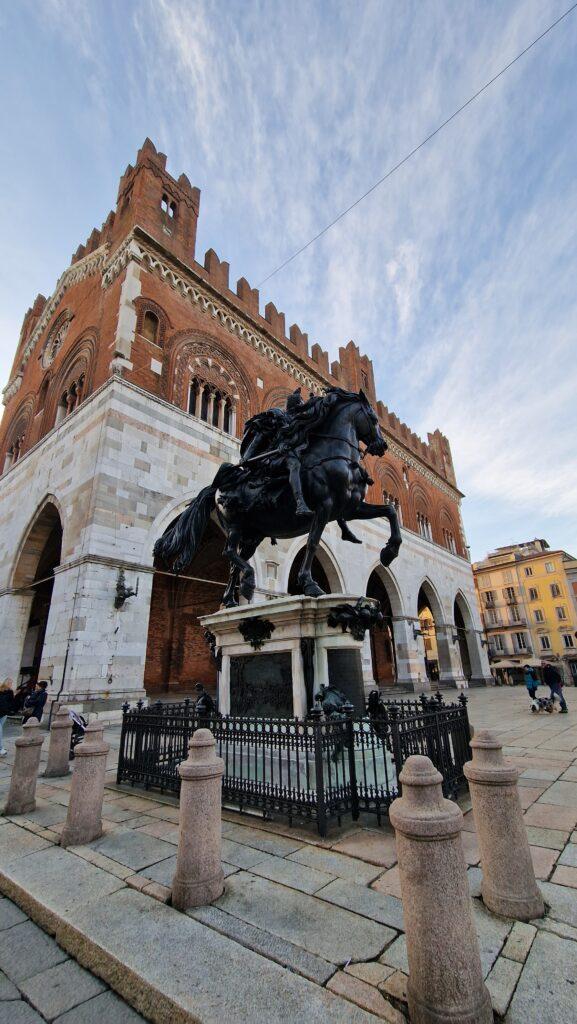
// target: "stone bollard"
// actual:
[[199, 879], [445, 975], [22, 795], [59, 749], [84, 817], [509, 886]]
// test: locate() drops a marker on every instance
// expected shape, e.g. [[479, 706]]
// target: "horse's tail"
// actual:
[[180, 542]]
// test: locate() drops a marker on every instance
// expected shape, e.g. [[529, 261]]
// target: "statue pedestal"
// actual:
[[276, 655]]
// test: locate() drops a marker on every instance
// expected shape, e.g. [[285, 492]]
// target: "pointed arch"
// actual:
[[47, 515], [198, 357], [326, 561]]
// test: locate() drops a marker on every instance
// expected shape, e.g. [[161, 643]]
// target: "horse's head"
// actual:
[[367, 427]]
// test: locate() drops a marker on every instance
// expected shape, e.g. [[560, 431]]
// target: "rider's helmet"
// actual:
[[294, 401]]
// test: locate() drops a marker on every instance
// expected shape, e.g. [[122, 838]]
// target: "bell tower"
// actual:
[[163, 206]]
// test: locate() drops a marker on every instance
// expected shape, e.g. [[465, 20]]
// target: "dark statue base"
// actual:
[[275, 656]]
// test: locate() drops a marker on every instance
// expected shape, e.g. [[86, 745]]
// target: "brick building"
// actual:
[[130, 385]]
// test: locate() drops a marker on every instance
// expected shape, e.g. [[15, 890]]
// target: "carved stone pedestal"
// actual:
[[275, 656]]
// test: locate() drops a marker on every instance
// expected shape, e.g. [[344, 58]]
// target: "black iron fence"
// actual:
[[314, 769]]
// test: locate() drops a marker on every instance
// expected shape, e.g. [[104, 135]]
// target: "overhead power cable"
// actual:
[[424, 142]]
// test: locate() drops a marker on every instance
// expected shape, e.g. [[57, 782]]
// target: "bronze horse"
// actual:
[[252, 504]]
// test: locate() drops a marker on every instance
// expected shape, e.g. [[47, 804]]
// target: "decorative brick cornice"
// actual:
[[91, 264], [233, 321]]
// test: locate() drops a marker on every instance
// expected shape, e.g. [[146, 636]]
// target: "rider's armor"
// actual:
[[273, 431]]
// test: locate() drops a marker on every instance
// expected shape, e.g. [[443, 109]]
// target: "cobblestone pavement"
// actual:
[[328, 910]]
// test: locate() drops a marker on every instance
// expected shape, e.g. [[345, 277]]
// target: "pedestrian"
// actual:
[[6, 708], [553, 679], [531, 681], [34, 704]]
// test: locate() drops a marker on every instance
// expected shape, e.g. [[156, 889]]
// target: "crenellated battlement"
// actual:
[[352, 370]]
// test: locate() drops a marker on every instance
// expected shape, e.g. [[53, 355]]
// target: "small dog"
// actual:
[[542, 704]]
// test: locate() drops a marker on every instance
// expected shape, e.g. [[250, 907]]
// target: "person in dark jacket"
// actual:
[[6, 708], [553, 679], [34, 704]]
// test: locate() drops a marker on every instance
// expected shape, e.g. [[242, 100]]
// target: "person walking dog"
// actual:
[[553, 679], [531, 681]]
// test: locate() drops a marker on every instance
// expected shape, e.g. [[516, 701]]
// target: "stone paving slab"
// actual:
[[569, 855], [218, 982], [25, 950], [327, 931], [279, 846], [240, 856], [550, 838], [564, 794], [103, 1009], [562, 902], [546, 991], [57, 881], [375, 847], [287, 872], [16, 842], [134, 849], [336, 864], [378, 906], [282, 952], [492, 933], [47, 813], [501, 982], [10, 914], [19, 1013], [58, 989], [8, 989]]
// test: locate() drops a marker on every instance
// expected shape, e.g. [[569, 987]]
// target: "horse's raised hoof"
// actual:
[[390, 552], [309, 588]]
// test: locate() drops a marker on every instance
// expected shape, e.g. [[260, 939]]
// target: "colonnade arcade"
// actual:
[[424, 642]]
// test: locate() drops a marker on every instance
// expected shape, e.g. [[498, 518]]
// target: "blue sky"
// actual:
[[458, 277]]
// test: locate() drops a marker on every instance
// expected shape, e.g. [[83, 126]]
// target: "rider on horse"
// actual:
[[277, 439]]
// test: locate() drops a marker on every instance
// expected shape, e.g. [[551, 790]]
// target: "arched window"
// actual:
[[150, 327], [70, 399], [449, 541], [211, 405], [193, 392], [14, 452], [392, 499], [216, 408], [168, 206], [424, 526], [227, 420], [42, 395], [205, 402]]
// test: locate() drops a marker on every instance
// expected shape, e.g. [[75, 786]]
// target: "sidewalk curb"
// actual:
[[139, 993]]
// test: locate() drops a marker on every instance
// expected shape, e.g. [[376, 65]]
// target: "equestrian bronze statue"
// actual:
[[301, 468]]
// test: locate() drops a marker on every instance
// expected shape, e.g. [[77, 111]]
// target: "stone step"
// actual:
[[167, 965]]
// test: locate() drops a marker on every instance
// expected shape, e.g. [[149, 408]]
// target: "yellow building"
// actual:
[[527, 599]]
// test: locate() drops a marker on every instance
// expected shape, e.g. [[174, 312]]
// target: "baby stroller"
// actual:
[[542, 704], [79, 724]]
